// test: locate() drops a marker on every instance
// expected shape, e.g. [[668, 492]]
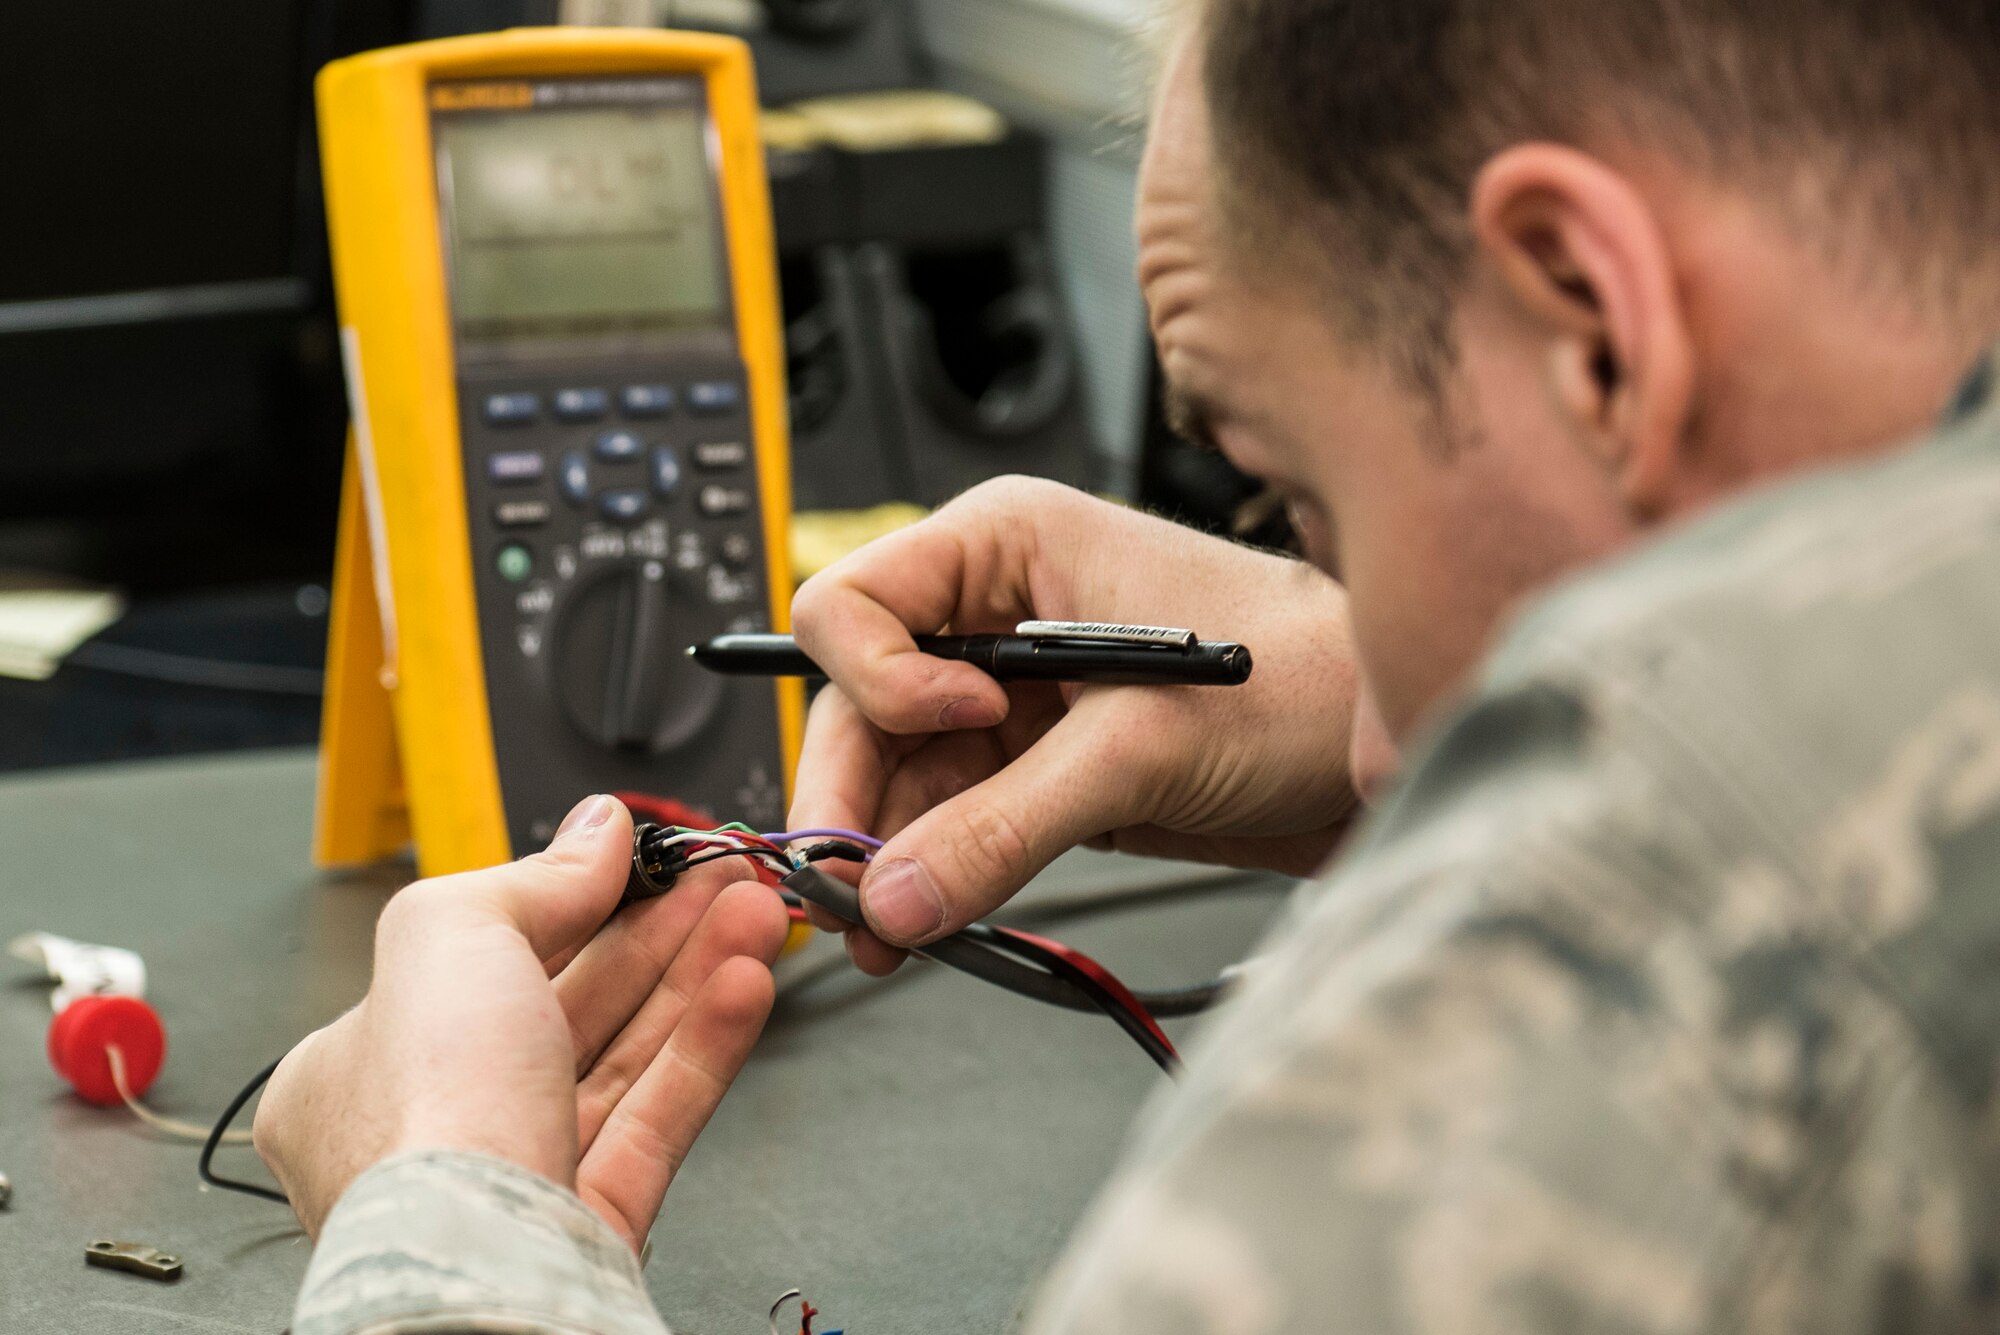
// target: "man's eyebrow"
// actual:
[[1189, 415]]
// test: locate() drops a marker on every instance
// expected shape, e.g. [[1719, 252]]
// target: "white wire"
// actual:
[[729, 839], [169, 1126]]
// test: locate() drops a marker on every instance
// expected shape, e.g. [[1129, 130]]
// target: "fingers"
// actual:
[[871, 954], [856, 620], [559, 897], [964, 857], [618, 970], [626, 1169], [746, 919], [843, 763]]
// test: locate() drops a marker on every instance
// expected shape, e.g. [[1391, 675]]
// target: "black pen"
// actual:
[[1077, 651]]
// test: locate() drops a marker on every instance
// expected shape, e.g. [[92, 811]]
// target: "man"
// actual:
[[1660, 995]]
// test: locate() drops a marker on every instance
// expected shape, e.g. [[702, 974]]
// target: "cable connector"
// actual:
[[655, 868]]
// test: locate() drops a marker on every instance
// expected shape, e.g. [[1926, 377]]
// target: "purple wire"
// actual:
[[852, 836]]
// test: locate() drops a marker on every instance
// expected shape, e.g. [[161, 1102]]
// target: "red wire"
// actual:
[[1103, 977], [669, 811], [666, 810]]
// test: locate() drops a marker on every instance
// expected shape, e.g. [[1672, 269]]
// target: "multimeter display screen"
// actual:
[[571, 217]]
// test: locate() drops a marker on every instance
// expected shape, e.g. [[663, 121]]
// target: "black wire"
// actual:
[[221, 1128], [978, 950], [833, 848], [1169, 1003], [1106, 1000]]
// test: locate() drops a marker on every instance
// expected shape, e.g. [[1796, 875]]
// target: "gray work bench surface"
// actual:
[[910, 1152]]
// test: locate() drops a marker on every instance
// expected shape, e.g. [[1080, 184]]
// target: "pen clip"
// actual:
[[1109, 633]]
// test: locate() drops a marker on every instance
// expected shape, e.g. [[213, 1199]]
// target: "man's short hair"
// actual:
[[1874, 126]]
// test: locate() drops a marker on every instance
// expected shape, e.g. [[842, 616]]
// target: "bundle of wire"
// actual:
[[1021, 962]]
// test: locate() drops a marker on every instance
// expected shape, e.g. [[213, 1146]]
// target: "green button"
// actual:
[[515, 562]]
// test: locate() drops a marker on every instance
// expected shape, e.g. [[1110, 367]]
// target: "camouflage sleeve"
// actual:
[[1537, 1058], [455, 1243]]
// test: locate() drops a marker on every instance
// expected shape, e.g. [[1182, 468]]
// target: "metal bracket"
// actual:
[[136, 1257]]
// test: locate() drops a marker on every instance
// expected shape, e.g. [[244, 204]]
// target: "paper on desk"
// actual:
[[81, 969], [39, 625]]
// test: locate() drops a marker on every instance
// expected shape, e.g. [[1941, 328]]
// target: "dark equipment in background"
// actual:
[[172, 412], [927, 345], [170, 407]]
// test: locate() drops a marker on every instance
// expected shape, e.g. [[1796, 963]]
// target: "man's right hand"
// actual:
[[978, 786]]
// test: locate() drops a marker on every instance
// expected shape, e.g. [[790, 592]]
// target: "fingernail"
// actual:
[[901, 903], [966, 712], [585, 815]]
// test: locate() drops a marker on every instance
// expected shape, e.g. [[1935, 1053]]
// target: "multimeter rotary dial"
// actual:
[[620, 666]]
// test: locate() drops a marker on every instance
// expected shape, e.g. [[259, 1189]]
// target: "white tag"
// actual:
[[81, 969]]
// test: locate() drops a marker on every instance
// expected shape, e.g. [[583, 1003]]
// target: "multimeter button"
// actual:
[[617, 446], [510, 409], [521, 514], [647, 400], [514, 466], [666, 470], [622, 504], [715, 454], [723, 500], [737, 550], [573, 477], [714, 396], [581, 405], [514, 562]]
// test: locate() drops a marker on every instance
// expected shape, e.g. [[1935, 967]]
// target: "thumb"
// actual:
[[965, 857], [559, 897]]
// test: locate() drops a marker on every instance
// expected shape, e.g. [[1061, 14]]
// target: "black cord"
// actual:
[[833, 848], [221, 1128], [1171, 1003], [1142, 1034], [978, 950]]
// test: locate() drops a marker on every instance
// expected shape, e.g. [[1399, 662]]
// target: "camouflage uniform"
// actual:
[[1651, 1003]]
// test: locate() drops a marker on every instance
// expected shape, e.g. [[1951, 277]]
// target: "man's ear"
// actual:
[[1578, 251]]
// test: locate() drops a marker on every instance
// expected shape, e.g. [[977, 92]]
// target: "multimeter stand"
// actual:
[[363, 814], [560, 324]]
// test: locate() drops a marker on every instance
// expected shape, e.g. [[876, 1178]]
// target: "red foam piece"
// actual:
[[87, 1026]]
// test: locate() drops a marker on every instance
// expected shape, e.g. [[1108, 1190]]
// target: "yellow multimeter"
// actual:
[[559, 312]]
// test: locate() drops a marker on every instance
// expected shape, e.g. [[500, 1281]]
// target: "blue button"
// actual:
[[514, 466], [510, 409], [618, 446], [581, 405], [647, 400], [622, 504], [666, 470], [714, 396], [573, 477]]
